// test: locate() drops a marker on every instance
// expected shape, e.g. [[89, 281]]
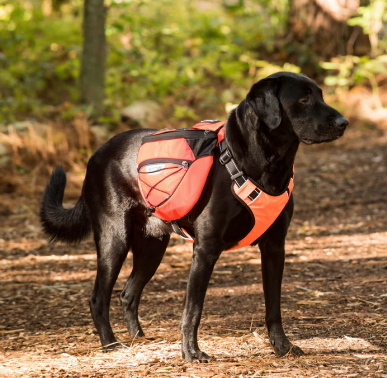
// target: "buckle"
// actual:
[[225, 156], [237, 175], [150, 211]]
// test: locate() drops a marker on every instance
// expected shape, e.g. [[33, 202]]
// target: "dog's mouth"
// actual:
[[314, 141], [307, 141]]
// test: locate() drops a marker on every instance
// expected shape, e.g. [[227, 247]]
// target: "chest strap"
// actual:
[[236, 174], [239, 179]]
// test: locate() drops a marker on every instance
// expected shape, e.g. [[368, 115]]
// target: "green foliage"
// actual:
[[38, 59], [195, 57], [368, 15], [182, 112], [183, 52], [370, 18], [351, 70], [191, 50], [348, 71]]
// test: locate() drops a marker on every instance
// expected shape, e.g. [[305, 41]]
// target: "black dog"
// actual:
[[263, 134]]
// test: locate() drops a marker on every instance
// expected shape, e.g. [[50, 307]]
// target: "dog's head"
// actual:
[[294, 104]]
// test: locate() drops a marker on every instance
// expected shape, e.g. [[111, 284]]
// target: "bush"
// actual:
[[194, 51]]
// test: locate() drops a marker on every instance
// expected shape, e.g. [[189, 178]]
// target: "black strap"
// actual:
[[236, 174], [179, 231]]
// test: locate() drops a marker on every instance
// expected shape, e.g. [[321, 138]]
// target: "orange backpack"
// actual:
[[173, 166]]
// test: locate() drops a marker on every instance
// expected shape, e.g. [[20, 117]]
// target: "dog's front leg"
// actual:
[[272, 245], [203, 262]]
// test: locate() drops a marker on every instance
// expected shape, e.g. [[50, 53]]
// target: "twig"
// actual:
[[133, 339], [108, 345], [251, 324], [304, 288], [368, 302]]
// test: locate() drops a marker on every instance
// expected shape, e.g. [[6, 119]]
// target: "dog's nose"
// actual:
[[341, 122]]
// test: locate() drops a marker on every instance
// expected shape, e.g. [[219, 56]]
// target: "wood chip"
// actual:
[[11, 331], [307, 303]]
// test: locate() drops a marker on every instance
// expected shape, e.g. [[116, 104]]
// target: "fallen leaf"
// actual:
[[367, 356], [225, 272], [306, 303], [164, 369]]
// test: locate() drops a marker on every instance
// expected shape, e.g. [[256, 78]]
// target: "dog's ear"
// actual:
[[263, 100]]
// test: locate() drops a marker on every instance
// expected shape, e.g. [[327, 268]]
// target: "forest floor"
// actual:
[[334, 298]]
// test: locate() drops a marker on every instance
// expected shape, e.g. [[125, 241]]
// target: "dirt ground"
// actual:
[[334, 291]]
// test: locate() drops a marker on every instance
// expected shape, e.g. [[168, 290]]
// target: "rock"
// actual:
[[23, 126], [100, 132], [143, 113], [17, 126]]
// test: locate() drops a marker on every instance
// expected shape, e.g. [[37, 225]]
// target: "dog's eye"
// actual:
[[304, 100]]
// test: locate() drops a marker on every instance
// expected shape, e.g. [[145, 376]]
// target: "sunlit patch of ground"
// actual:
[[248, 354]]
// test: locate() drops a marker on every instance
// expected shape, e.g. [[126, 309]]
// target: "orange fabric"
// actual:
[[265, 209], [159, 185], [165, 149], [187, 192], [172, 190]]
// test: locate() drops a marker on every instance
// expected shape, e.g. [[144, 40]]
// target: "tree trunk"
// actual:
[[324, 24], [92, 75]]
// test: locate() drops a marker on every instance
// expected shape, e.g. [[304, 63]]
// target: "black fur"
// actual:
[[66, 225], [263, 134]]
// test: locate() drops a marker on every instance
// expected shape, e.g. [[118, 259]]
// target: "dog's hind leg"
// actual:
[[112, 249], [148, 252]]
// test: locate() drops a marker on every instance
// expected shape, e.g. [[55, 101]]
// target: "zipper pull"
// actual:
[[207, 132], [184, 164]]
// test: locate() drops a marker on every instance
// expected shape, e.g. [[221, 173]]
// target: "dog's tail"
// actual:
[[66, 225]]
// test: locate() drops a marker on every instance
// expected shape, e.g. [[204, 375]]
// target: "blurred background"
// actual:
[[66, 88]]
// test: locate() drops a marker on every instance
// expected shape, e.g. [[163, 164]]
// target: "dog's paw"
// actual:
[[197, 356], [280, 348], [281, 344], [286, 348], [296, 351]]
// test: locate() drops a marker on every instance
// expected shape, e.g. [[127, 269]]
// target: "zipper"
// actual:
[[181, 162], [189, 134]]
